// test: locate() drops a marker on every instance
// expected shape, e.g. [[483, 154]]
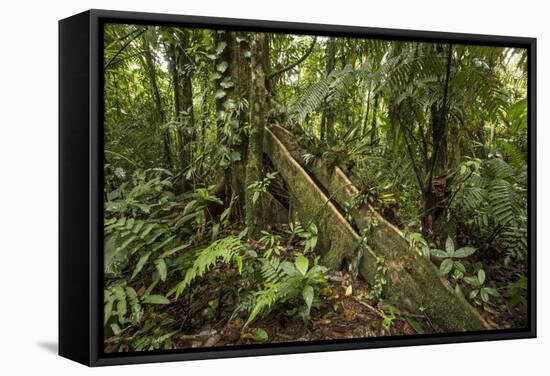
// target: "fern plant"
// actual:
[[123, 306], [147, 192], [150, 241], [272, 244], [489, 197], [284, 282], [228, 250]]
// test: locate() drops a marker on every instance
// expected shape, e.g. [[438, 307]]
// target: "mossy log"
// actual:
[[414, 282]]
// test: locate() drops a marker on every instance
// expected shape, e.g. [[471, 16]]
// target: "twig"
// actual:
[[367, 305], [124, 47], [289, 67]]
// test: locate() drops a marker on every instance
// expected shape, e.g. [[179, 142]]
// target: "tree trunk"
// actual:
[[366, 119], [438, 161], [239, 72], [254, 163], [414, 283], [328, 113], [180, 69], [157, 99], [374, 131]]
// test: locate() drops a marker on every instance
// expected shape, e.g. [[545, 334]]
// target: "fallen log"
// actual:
[[414, 282]]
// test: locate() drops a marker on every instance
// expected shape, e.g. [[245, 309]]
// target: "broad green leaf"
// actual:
[[316, 270], [464, 252], [259, 335], [155, 299], [481, 276], [450, 247], [116, 329], [130, 293], [140, 264], [222, 66], [226, 83], [130, 223], [174, 250], [439, 253], [121, 308], [426, 251], [472, 281], [143, 207], [235, 156], [215, 76], [307, 294], [517, 299], [160, 264], [446, 266], [107, 311], [460, 267], [301, 264], [289, 269], [125, 244], [220, 47], [219, 94], [163, 243], [522, 283], [484, 295], [255, 197]]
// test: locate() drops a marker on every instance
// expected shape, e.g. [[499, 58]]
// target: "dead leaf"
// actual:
[[349, 290]]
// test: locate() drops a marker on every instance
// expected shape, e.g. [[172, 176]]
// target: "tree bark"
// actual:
[[254, 163], [329, 112], [239, 72], [160, 117], [374, 131], [328, 117], [438, 161], [180, 68], [367, 111]]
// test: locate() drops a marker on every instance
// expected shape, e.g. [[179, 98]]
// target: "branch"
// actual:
[[415, 168], [123, 48], [443, 115], [120, 39], [289, 67]]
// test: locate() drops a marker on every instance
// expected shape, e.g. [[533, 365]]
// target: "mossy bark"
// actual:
[[254, 164], [337, 240], [239, 74], [414, 282]]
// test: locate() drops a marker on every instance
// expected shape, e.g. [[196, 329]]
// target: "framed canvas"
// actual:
[[234, 187]]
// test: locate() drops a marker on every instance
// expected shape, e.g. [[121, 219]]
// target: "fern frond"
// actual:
[[264, 299], [502, 201], [271, 270], [497, 168], [227, 250], [515, 237]]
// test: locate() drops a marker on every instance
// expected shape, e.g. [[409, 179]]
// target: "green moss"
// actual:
[[308, 203]]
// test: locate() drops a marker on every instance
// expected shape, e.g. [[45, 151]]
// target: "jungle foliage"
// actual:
[[434, 135]]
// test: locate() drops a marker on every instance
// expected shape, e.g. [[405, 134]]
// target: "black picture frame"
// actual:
[[80, 186]]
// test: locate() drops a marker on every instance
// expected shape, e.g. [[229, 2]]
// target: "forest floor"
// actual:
[[345, 316], [346, 313]]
